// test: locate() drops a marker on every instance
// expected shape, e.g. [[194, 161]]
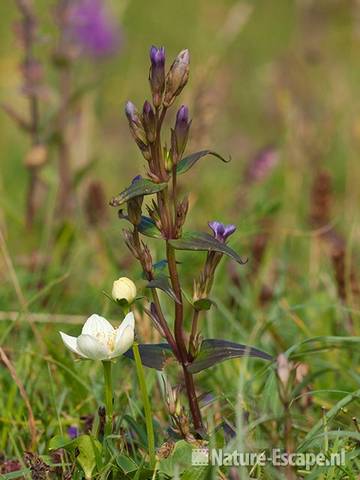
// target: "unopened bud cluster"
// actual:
[[145, 126]]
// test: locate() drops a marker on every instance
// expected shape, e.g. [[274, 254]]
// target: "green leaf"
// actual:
[[126, 464], [89, 449], [17, 474], [187, 162], [153, 355], [162, 283], [198, 241], [146, 226], [139, 428], [215, 351], [330, 415], [203, 304], [179, 460], [141, 187], [59, 441], [320, 343]]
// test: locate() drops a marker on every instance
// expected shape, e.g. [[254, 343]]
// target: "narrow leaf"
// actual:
[[186, 163], [198, 241], [143, 186], [215, 351], [153, 355], [162, 283]]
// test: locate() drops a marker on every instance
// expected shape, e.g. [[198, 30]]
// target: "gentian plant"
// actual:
[[165, 219]]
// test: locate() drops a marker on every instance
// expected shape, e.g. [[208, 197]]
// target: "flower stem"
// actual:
[[108, 396], [146, 403], [180, 341]]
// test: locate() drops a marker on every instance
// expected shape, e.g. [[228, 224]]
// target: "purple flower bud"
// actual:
[[73, 432], [130, 111], [137, 129], [92, 27], [180, 133], [136, 179], [182, 116], [146, 108], [221, 231], [157, 57], [149, 122], [157, 74], [177, 77]]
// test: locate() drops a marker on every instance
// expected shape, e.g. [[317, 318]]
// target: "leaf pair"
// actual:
[[144, 186], [211, 353]]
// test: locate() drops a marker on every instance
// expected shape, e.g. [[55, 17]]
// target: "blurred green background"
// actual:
[[284, 73]]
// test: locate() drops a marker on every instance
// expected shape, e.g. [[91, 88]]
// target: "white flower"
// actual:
[[124, 289], [99, 340]]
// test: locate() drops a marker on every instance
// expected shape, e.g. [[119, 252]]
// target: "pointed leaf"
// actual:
[[153, 355], [60, 441], [199, 241], [215, 351], [89, 449], [162, 283], [186, 163], [141, 187]]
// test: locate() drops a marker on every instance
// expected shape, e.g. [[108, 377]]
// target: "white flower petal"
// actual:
[[129, 321], [71, 343], [96, 324], [124, 335], [92, 348]]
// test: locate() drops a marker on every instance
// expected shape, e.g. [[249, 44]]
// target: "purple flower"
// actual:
[[73, 432], [221, 231], [93, 28]]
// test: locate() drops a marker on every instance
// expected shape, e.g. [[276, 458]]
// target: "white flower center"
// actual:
[[107, 339]]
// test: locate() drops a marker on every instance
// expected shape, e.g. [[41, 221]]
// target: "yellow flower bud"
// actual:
[[124, 289]]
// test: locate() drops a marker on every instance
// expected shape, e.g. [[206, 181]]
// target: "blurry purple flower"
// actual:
[[73, 432], [93, 28], [221, 231], [262, 164]]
